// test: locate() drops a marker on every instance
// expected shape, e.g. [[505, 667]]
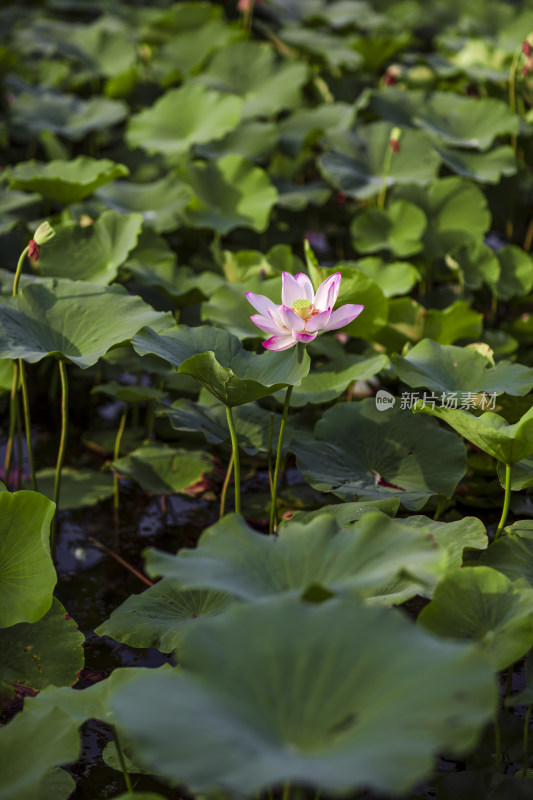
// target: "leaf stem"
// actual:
[[506, 501], [269, 450], [12, 419], [236, 463], [116, 453], [386, 172], [122, 761], [27, 422], [225, 487], [62, 440], [273, 506], [287, 786]]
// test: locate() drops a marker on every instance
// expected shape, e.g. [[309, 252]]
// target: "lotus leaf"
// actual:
[[27, 574], [512, 554], [182, 117], [93, 253], [74, 320], [396, 277], [164, 470], [43, 653], [290, 710], [490, 432], [80, 488], [364, 453], [65, 181], [159, 616], [446, 368], [219, 362], [397, 228], [482, 605], [160, 202]]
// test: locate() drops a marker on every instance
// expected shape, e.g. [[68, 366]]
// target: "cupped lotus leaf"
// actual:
[[219, 362], [490, 432], [228, 193], [91, 253], [452, 118], [456, 211], [458, 321], [57, 784], [64, 181], [75, 320], [396, 277], [225, 307], [182, 117], [481, 167], [30, 746], [43, 653], [164, 470], [512, 554], [64, 114], [480, 604], [330, 381], [353, 160], [251, 71], [27, 574], [516, 273], [282, 708], [362, 453], [447, 368], [80, 488], [159, 616], [160, 202], [362, 560], [397, 228], [345, 513]]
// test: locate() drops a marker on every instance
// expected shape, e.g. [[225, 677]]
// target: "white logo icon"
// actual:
[[384, 400]]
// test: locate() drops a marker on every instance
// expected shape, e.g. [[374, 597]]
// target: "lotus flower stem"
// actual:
[[506, 502], [20, 450], [116, 454], [27, 422], [526, 732], [12, 418], [19, 269], [225, 487], [62, 440], [127, 779], [236, 463], [269, 450], [273, 506], [286, 791]]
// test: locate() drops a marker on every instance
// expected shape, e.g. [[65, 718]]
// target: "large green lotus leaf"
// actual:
[[43, 653], [250, 70], [363, 560], [456, 537], [354, 161], [64, 181], [225, 307], [251, 421], [159, 616], [452, 118], [164, 470], [482, 167], [458, 321], [252, 139], [219, 362], [228, 193], [74, 320], [521, 474], [456, 211], [182, 117], [512, 554], [185, 286], [346, 513], [516, 273], [160, 202], [106, 45], [16, 206], [478, 264], [482, 605], [30, 746], [92, 253], [334, 51], [393, 278], [282, 708], [330, 381], [137, 393], [57, 784], [397, 228], [306, 126], [297, 196], [27, 574], [446, 368], [490, 432], [65, 115], [80, 488], [363, 453]]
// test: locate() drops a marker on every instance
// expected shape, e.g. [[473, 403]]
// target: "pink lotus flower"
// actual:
[[302, 313]]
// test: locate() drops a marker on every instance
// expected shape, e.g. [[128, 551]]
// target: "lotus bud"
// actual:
[[392, 75], [43, 234], [394, 141]]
